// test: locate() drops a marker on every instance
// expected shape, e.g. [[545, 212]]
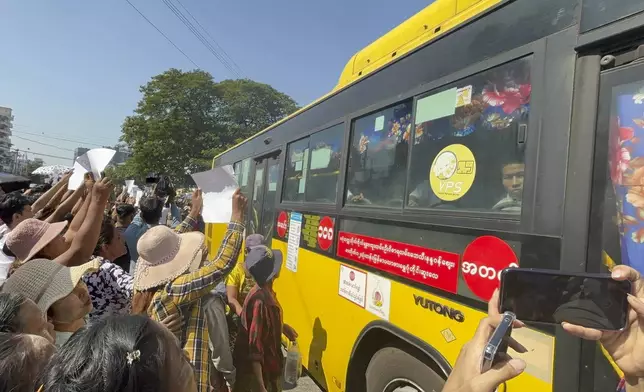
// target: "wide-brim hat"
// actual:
[[45, 281], [31, 236], [263, 263], [165, 255]]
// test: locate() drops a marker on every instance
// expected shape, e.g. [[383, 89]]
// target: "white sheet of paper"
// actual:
[[99, 158], [320, 158], [380, 124], [83, 160], [129, 184], [76, 180], [218, 186], [137, 193]]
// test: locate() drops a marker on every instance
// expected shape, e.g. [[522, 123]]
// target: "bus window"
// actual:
[[268, 207], [313, 166], [242, 171], [297, 165], [324, 168], [378, 157], [469, 137]]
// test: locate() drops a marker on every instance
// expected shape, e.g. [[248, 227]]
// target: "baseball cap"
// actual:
[[45, 281], [252, 241], [263, 263]]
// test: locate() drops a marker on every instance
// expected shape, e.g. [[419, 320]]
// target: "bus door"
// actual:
[[262, 216], [617, 214]]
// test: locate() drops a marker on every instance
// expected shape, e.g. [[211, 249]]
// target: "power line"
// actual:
[[163, 34], [44, 144], [20, 127], [44, 155], [56, 138], [200, 37], [223, 52]]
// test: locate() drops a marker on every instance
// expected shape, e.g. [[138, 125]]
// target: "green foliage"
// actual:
[[185, 118]]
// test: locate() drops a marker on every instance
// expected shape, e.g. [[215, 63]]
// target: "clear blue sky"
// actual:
[[72, 69]]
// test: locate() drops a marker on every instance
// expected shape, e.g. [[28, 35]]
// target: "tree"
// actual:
[[185, 118], [30, 166]]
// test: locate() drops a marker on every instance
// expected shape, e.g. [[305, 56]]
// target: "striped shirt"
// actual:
[[184, 296]]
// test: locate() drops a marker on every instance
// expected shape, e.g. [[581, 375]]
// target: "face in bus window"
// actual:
[[513, 179]]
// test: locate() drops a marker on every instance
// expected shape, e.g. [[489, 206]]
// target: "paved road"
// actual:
[[304, 384]]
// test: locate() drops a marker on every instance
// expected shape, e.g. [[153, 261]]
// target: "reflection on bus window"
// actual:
[[326, 152], [297, 165], [313, 166], [268, 209], [258, 198], [242, 172], [468, 149], [378, 157], [623, 205]]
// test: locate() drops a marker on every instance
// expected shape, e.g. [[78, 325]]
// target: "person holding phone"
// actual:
[[626, 347], [466, 375]]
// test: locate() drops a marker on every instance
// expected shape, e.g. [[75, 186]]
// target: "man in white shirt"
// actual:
[[14, 208]]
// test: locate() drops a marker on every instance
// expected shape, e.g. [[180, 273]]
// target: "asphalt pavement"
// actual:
[[304, 384]]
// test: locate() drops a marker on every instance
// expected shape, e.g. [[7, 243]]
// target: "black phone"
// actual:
[[552, 297], [498, 343]]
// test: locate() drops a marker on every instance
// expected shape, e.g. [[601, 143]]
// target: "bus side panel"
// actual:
[[329, 325], [214, 236]]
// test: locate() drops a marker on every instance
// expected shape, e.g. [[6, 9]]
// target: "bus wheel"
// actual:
[[393, 370]]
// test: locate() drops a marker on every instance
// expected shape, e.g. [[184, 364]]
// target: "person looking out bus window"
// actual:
[[513, 175]]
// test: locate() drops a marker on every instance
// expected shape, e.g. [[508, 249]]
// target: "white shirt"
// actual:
[[5, 261]]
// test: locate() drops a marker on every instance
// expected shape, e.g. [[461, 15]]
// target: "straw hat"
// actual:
[[165, 255], [31, 235], [45, 281]]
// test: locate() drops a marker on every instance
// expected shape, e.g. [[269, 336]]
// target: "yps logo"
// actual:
[[444, 310]]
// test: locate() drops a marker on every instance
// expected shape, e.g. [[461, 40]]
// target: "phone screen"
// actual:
[[593, 301]]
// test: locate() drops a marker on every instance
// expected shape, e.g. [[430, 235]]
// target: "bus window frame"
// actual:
[[328, 207], [467, 218], [608, 80], [489, 214], [532, 196]]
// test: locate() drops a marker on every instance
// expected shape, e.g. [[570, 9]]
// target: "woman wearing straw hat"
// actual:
[[57, 290], [168, 280]]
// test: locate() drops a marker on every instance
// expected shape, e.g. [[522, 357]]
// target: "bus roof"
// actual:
[[433, 21]]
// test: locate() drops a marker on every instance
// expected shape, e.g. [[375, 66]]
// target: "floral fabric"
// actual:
[[110, 289]]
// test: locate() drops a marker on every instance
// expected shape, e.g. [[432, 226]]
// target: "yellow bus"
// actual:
[[478, 135]]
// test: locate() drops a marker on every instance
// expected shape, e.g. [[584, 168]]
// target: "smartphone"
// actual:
[[498, 342], [552, 297]]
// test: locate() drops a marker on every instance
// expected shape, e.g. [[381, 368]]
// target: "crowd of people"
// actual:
[[99, 295]]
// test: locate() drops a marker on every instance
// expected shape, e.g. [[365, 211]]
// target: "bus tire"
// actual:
[[391, 367]]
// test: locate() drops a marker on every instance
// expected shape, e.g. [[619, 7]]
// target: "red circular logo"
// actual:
[[282, 224], [325, 233], [483, 260]]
